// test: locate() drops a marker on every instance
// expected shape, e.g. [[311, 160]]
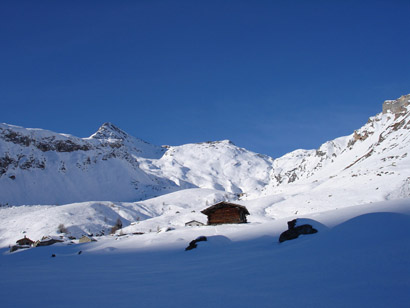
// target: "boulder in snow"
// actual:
[[294, 231], [193, 244]]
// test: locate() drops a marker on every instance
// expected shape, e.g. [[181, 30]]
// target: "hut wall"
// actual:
[[224, 216]]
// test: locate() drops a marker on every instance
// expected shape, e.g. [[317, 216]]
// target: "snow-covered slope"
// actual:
[[359, 258], [381, 142], [372, 164], [216, 165], [97, 218], [42, 167]]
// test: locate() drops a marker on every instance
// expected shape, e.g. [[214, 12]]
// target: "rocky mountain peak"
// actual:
[[110, 131], [396, 106]]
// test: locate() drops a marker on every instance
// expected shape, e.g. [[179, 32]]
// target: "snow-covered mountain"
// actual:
[[372, 164], [43, 167], [382, 142]]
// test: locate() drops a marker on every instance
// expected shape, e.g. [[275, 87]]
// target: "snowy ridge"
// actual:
[[215, 165], [41, 167], [111, 135], [168, 186], [111, 165]]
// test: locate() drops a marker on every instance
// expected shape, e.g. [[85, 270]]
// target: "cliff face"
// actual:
[[396, 106]]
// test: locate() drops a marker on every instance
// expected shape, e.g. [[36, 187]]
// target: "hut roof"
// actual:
[[24, 240], [223, 204], [194, 221]]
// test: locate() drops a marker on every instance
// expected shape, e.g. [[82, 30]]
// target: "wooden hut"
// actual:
[[25, 241], [226, 213]]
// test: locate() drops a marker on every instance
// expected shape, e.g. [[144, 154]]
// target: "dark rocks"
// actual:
[[291, 224], [193, 244], [69, 146], [50, 144], [294, 232], [5, 162], [16, 138], [31, 162], [44, 144], [110, 131]]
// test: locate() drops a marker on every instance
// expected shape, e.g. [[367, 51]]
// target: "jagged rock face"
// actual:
[[44, 144], [396, 106], [110, 131]]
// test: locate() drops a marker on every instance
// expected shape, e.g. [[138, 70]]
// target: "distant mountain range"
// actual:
[[42, 167]]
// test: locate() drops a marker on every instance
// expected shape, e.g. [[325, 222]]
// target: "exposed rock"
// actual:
[[294, 232], [5, 162], [44, 144], [291, 224], [16, 138], [398, 105], [110, 131], [193, 244]]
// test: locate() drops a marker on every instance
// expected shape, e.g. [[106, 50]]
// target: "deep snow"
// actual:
[[356, 260]]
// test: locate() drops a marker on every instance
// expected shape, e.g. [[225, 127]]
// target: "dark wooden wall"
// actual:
[[228, 215]]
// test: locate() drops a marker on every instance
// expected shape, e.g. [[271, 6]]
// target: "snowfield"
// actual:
[[359, 258], [355, 190]]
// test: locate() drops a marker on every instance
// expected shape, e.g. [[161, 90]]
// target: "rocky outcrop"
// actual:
[[294, 231], [44, 144], [193, 244], [396, 106], [110, 131]]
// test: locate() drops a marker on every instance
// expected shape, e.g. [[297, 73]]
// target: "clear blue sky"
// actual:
[[272, 76]]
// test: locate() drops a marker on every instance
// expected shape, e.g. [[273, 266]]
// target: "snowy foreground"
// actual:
[[359, 258]]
